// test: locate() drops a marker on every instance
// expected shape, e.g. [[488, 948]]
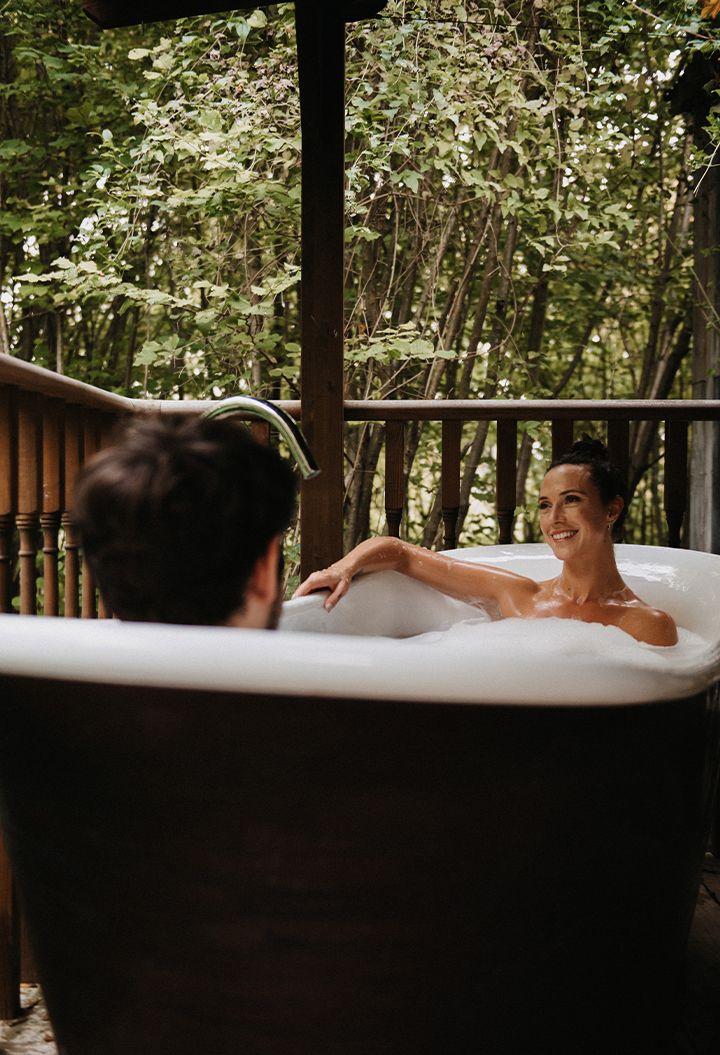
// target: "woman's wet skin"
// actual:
[[575, 523]]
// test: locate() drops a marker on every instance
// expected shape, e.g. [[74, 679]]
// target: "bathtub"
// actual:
[[347, 839]]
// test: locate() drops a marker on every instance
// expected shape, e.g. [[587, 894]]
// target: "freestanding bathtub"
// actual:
[[319, 842]]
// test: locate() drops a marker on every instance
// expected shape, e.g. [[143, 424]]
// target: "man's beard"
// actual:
[[273, 618]]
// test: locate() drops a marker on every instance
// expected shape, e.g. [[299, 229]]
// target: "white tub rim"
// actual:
[[308, 665]]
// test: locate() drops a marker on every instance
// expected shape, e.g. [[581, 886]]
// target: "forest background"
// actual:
[[519, 210]]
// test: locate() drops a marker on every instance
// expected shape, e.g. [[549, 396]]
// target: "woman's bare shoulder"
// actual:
[[649, 625]]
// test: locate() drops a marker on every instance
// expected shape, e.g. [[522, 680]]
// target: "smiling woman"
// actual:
[[581, 502]]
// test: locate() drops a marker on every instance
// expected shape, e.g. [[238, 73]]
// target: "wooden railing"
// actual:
[[50, 425], [563, 415], [677, 416]]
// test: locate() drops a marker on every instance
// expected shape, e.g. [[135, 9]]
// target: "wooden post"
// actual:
[[450, 481], [91, 445], [394, 475], [618, 437], [8, 494], [29, 460], [321, 58], [705, 472], [73, 451], [693, 94], [676, 478], [106, 436], [506, 478], [563, 431], [52, 502]]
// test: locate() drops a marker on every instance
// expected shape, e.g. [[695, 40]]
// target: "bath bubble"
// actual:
[[558, 637]]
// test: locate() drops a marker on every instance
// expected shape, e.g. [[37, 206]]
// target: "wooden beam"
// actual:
[[321, 57], [110, 14]]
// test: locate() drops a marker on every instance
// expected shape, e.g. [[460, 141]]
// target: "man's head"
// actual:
[[181, 522]]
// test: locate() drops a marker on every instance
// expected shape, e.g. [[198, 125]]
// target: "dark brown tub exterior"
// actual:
[[224, 874]]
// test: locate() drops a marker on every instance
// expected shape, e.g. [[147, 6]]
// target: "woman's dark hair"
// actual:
[[174, 518], [593, 453]]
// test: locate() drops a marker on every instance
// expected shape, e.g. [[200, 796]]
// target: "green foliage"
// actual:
[[517, 205]]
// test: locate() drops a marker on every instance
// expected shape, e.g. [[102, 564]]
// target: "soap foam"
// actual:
[[560, 637]]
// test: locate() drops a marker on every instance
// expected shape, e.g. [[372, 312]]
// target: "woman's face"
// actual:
[[573, 517]]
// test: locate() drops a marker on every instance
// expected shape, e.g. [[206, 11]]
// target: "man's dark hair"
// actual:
[[593, 453], [174, 518]]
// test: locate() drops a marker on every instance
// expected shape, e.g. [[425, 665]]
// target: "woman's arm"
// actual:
[[464, 580]]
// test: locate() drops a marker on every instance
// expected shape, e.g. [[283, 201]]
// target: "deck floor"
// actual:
[[699, 1034]]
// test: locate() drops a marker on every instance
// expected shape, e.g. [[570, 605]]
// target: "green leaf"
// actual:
[[411, 180], [148, 354], [211, 119], [163, 62]]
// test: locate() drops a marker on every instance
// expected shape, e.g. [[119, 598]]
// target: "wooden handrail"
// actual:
[[31, 378], [360, 410], [532, 409]]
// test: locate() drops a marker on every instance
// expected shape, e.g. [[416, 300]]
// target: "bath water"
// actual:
[[522, 639]]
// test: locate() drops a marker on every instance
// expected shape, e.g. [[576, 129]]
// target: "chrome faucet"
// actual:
[[264, 411]]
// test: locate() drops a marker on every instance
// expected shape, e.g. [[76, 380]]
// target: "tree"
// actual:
[[518, 202]]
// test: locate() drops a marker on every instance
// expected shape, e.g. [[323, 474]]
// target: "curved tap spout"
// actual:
[[264, 411]]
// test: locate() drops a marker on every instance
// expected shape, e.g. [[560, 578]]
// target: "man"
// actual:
[[182, 522]]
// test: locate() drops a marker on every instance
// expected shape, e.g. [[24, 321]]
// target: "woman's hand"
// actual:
[[376, 554], [335, 579]]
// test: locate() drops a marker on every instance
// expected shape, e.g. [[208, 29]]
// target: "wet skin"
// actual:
[[576, 524]]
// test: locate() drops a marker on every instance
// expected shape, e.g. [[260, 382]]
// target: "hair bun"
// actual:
[[588, 446]]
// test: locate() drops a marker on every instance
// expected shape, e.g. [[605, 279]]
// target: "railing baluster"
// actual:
[[52, 501], [91, 445], [107, 436], [27, 519], [563, 433], [8, 493], [450, 481], [676, 478], [394, 475], [7, 524], [618, 440], [73, 448], [506, 473]]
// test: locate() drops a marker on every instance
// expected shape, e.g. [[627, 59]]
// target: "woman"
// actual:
[[580, 502]]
